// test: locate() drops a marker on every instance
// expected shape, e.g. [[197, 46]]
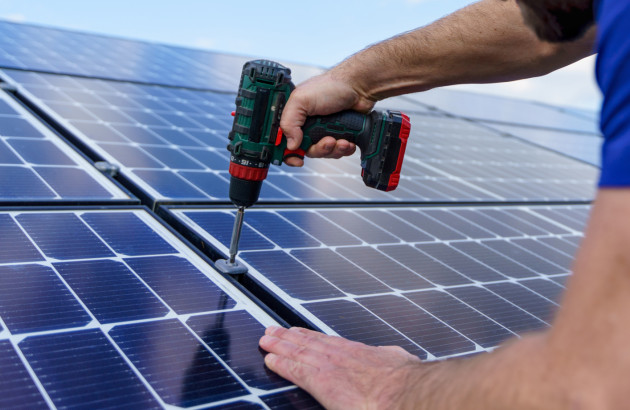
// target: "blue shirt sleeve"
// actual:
[[613, 76]]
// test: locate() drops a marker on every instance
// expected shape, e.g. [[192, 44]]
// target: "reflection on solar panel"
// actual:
[[66, 52], [171, 143], [90, 299], [35, 165], [585, 147], [505, 110], [440, 282]]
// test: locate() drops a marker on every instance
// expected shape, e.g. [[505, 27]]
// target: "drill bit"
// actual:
[[236, 233], [231, 266]]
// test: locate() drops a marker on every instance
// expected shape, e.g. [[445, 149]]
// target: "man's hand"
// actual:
[[339, 373], [325, 94]]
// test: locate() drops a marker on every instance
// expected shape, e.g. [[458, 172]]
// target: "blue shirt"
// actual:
[[613, 76]]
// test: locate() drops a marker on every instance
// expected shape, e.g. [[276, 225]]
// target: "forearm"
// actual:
[[515, 376], [482, 43]]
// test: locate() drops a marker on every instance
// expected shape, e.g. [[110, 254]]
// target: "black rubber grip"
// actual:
[[347, 125]]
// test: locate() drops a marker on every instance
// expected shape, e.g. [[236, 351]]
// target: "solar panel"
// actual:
[[37, 166], [108, 308], [504, 110], [585, 147], [37, 48], [440, 282], [170, 143]]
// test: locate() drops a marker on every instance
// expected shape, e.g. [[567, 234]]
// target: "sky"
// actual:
[[320, 33]]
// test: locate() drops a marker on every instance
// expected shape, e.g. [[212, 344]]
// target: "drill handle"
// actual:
[[348, 125]]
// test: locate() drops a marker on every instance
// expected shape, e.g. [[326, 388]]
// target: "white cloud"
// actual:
[[572, 86]]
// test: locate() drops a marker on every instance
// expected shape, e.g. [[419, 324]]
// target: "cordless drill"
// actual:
[[256, 140]]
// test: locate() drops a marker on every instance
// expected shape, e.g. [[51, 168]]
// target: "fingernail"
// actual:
[[271, 330], [270, 359], [328, 147]]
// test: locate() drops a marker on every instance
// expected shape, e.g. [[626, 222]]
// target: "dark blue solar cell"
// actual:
[[63, 236], [72, 183], [145, 118], [179, 121], [127, 234], [98, 132], [234, 337], [278, 230], [360, 227], [33, 298], [322, 229], [467, 227], [220, 225], [478, 217], [341, 273], [429, 225], [423, 265], [461, 317], [354, 322], [269, 192], [556, 257], [173, 158], [138, 134], [291, 399], [291, 276], [522, 297], [176, 137], [18, 127], [131, 156], [210, 183], [17, 389], [110, 115], [18, 182], [496, 261], [111, 291], [293, 187], [176, 365], [395, 226], [511, 220], [210, 159], [14, 245], [385, 269], [70, 111], [547, 288], [181, 285], [460, 262], [428, 332], [83, 369], [169, 185], [5, 108], [497, 309], [524, 257], [6, 155]]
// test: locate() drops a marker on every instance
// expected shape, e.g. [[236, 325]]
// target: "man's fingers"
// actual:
[[299, 353], [296, 372], [294, 162], [328, 147], [315, 340]]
